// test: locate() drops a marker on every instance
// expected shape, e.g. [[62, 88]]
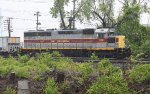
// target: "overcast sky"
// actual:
[[22, 12]]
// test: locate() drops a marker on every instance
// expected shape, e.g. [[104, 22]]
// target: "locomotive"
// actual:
[[103, 42], [77, 43]]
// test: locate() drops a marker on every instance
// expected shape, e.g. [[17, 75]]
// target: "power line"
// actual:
[[17, 18], [48, 1]]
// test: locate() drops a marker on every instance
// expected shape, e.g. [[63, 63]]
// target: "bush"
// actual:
[[56, 54], [23, 68], [113, 84], [140, 73], [24, 58], [86, 71], [110, 80], [106, 68], [21, 72]]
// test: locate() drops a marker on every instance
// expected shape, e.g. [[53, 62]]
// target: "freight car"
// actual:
[[9, 45], [77, 43]]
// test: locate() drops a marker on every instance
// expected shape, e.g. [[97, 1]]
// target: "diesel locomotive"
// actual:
[[103, 42]]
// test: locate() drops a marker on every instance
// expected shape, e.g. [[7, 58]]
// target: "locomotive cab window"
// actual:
[[101, 35], [111, 40], [111, 34]]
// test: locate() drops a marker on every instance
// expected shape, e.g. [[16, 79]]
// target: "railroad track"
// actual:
[[112, 60]]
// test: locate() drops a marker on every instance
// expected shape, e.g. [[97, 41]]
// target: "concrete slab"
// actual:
[[23, 87]]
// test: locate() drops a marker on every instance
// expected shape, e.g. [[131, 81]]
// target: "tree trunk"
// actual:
[[62, 19]]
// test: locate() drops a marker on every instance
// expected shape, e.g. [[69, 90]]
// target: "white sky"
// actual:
[[22, 12]]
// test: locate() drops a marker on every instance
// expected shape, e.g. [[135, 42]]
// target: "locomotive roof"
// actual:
[[104, 30]]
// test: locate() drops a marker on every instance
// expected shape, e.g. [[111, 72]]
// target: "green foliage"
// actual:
[[109, 85], [37, 78], [4, 71], [110, 80], [44, 58], [51, 87], [65, 86], [56, 54], [85, 10], [136, 59], [86, 71], [94, 56], [58, 5], [23, 59], [129, 25], [106, 68], [101, 10], [10, 91], [140, 73], [23, 70]]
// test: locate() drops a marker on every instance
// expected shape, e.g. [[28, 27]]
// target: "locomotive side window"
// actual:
[[101, 35], [44, 33], [30, 34], [69, 32], [88, 31], [65, 32]]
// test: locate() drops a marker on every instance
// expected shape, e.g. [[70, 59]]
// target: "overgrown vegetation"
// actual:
[[129, 25], [91, 77], [51, 87], [141, 73], [10, 91], [110, 80]]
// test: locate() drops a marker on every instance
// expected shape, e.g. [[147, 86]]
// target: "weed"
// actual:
[[51, 87], [10, 91]]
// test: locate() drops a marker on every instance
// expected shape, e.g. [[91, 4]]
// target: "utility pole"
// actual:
[[9, 26], [0, 21], [37, 20]]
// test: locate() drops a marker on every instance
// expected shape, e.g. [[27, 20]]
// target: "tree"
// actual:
[[101, 10], [129, 24], [58, 10]]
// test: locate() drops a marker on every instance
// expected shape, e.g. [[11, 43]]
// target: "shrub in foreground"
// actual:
[[109, 81], [51, 87], [140, 73]]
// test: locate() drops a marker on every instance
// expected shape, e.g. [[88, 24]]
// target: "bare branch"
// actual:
[[141, 1], [102, 19]]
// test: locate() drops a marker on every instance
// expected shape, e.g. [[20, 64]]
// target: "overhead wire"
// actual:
[[34, 1]]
